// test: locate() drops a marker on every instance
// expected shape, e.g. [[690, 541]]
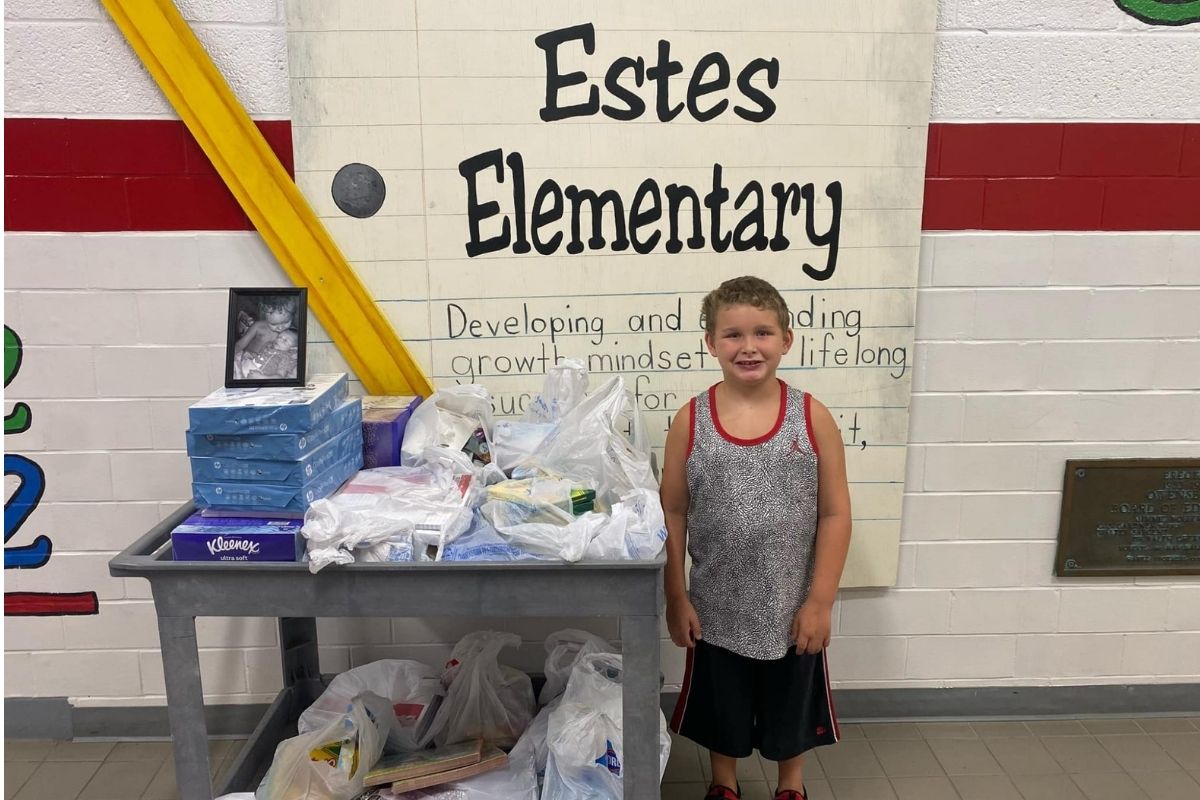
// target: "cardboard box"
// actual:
[[270, 410], [384, 421], [246, 496], [277, 446], [286, 473], [200, 538]]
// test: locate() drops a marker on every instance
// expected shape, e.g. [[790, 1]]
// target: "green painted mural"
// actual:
[[1162, 12]]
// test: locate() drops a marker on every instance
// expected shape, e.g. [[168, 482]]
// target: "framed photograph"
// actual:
[[266, 343]]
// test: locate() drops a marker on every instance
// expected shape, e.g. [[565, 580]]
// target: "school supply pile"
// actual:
[[389, 514], [273, 451], [413, 689], [484, 698], [385, 418], [330, 763]]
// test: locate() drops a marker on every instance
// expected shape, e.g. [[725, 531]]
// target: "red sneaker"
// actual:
[[791, 794], [719, 792]]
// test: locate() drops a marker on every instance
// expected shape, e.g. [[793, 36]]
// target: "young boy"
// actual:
[[754, 489]]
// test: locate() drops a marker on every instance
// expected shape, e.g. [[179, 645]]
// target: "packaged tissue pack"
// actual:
[[384, 420], [200, 538]]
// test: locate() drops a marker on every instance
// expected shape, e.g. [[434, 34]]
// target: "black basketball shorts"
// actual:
[[733, 705]]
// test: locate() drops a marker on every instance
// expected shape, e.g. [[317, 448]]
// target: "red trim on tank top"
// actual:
[[808, 424], [712, 410], [691, 428]]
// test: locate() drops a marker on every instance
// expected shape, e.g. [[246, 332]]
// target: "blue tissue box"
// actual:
[[277, 446], [274, 497], [200, 538], [268, 410], [287, 473]]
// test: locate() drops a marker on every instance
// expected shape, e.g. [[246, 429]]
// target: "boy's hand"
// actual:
[[811, 627], [683, 622]]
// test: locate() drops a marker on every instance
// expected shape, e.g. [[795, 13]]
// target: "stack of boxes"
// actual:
[[259, 458]]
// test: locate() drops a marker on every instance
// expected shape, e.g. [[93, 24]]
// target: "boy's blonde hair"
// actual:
[[748, 291]]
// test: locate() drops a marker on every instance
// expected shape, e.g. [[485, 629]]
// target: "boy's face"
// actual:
[[279, 319], [748, 343]]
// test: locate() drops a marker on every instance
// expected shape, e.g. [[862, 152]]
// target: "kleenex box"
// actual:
[[200, 538], [286, 473], [277, 446], [275, 497], [268, 410]]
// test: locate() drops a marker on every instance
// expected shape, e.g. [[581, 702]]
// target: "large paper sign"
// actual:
[[519, 182]]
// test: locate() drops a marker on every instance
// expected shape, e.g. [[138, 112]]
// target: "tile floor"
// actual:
[[1089, 759]]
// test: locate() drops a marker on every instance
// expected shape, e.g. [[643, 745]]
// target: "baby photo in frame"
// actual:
[[266, 342]]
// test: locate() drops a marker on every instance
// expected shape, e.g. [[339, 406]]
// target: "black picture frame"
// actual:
[[268, 363]]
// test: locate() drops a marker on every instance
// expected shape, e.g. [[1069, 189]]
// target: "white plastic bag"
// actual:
[[645, 525], [590, 445], [420, 505], [586, 748], [515, 441], [484, 699], [563, 649], [447, 419], [565, 386], [294, 775], [411, 687], [482, 542]]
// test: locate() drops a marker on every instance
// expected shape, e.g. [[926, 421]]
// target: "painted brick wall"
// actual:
[[1033, 348]]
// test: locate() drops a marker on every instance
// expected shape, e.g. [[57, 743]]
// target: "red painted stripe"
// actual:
[[111, 175], [48, 604], [1079, 176], [118, 175]]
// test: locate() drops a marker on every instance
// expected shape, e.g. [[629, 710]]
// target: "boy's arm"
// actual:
[[250, 333], [833, 532], [682, 621]]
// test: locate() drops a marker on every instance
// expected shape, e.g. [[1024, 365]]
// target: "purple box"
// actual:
[[200, 538], [384, 420]]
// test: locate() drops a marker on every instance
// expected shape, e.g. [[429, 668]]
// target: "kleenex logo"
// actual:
[[223, 545]]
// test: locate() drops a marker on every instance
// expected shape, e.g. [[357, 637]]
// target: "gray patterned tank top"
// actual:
[[752, 524]]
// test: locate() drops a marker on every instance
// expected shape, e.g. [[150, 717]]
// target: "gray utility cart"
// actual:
[[184, 590]]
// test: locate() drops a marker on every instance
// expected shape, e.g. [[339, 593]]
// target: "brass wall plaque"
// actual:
[[1130, 517]]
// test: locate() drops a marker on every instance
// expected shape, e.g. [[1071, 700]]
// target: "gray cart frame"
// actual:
[[184, 590]]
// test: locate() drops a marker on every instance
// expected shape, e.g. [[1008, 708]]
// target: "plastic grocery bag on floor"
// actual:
[[586, 748], [329, 763], [411, 687], [237, 796], [484, 699], [563, 649], [590, 445]]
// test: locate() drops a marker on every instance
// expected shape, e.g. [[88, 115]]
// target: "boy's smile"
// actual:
[[748, 342]]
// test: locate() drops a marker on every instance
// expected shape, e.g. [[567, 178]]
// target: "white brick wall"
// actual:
[[1069, 60], [67, 58]]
